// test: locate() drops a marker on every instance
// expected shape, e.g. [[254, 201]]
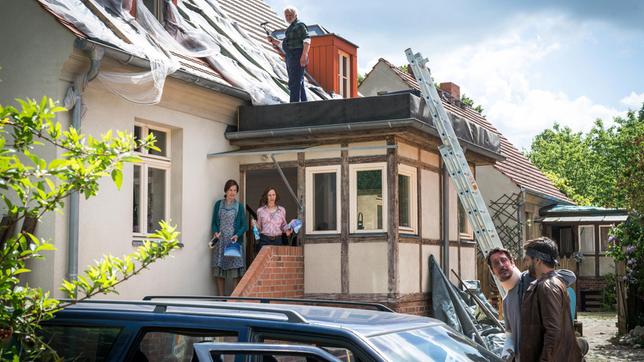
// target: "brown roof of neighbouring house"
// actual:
[[516, 166]]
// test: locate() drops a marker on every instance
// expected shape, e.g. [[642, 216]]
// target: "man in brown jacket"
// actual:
[[547, 332]]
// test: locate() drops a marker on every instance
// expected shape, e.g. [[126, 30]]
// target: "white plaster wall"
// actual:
[[407, 151], [453, 264], [493, 184], [428, 250], [430, 158], [34, 48], [409, 268], [379, 148], [430, 192], [468, 263], [322, 152], [453, 212], [368, 270], [381, 78], [322, 269]]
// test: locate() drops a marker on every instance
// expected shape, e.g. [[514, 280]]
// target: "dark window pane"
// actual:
[[161, 142], [603, 231], [66, 341], [136, 207], [404, 195], [156, 197], [324, 201], [176, 345], [369, 200], [138, 133], [462, 219]]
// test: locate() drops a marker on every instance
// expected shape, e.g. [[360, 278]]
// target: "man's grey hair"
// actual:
[[292, 9]]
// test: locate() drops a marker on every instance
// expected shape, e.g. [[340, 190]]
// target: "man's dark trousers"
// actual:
[[295, 75]]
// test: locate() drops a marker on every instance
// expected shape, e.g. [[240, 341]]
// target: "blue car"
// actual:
[[243, 329]]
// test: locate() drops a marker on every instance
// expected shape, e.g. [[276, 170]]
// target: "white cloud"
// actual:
[[499, 74], [633, 100]]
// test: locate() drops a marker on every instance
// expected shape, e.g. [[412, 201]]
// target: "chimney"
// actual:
[[451, 88]]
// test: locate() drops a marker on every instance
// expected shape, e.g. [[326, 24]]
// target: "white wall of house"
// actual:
[[382, 78], [34, 49], [196, 120]]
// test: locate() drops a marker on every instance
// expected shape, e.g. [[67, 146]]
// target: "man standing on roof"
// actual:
[[515, 283], [296, 46]]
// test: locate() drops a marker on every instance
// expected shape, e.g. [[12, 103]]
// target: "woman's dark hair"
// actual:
[[263, 201], [229, 184]]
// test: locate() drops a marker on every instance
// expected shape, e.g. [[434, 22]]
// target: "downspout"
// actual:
[[445, 217], [74, 99]]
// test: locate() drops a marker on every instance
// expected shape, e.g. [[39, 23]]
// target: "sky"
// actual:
[[528, 63]]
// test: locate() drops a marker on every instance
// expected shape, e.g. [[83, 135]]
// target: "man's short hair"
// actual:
[[497, 250], [546, 249]]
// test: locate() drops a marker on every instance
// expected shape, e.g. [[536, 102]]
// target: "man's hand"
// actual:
[[234, 238], [304, 60], [507, 355], [273, 41]]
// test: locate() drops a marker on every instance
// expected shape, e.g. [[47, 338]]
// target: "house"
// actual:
[[365, 172], [582, 233], [513, 188]]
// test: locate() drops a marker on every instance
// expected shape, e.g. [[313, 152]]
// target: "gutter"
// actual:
[[356, 126], [129, 59], [74, 99], [544, 196]]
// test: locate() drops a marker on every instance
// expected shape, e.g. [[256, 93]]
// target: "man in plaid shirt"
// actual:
[[296, 46]]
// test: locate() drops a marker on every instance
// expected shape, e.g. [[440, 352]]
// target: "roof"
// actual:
[[577, 214], [515, 166], [362, 321], [220, 41]]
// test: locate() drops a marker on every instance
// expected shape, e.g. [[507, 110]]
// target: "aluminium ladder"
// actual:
[[455, 162]]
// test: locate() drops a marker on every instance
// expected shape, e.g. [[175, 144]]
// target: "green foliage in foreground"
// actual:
[[33, 186]]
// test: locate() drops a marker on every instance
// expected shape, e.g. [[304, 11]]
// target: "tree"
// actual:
[[600, 168], [31, 188]]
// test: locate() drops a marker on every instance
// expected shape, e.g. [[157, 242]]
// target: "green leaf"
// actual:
[[117, 176]]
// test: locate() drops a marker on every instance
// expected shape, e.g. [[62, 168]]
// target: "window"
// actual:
[[464, 229], [176, 345], [156, 7], [151, 201], [344, 75], [603, 237], [587, 239], [96, 346], [407, 198], [323, 200], [529, 230], [339, 350], [566, 245], [368, 193]]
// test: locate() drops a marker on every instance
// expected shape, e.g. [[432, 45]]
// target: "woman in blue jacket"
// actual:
[[228, 227]]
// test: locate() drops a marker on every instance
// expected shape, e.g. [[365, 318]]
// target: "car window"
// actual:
[[437, 343], [66, 341], [174, 345], [341, 353]]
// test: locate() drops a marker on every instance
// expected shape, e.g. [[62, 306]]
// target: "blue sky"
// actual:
[[529, 64]]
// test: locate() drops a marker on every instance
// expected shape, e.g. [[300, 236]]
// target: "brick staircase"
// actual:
[[276, 272]]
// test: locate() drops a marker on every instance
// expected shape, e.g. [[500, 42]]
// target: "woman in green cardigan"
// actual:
[[228, 226]]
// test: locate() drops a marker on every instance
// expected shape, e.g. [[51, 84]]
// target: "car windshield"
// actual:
[[436, 343]]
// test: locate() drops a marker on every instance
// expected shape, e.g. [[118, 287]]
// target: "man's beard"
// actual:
[[532, 269]]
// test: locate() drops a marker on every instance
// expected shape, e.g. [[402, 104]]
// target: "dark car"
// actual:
[[199, 328]]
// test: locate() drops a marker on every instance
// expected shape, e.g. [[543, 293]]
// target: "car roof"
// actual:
[[361, 321]]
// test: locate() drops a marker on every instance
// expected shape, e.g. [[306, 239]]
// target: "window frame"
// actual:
[[594, 249], [353, 196], [156, 162], [412, 173], [309, 172], [344, 79], [603, 251], [467, 234]]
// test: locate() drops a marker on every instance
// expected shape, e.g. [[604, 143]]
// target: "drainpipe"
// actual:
[[74, 99], [445, 218]]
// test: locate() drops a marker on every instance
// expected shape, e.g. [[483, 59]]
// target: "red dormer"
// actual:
[[333, 62]]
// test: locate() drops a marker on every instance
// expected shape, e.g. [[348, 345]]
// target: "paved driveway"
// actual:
[[599, 328]]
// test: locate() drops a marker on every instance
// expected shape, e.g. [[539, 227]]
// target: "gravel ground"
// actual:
[[599, 329]]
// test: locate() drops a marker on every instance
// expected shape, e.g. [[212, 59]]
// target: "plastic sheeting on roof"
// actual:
[[195, 29]]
